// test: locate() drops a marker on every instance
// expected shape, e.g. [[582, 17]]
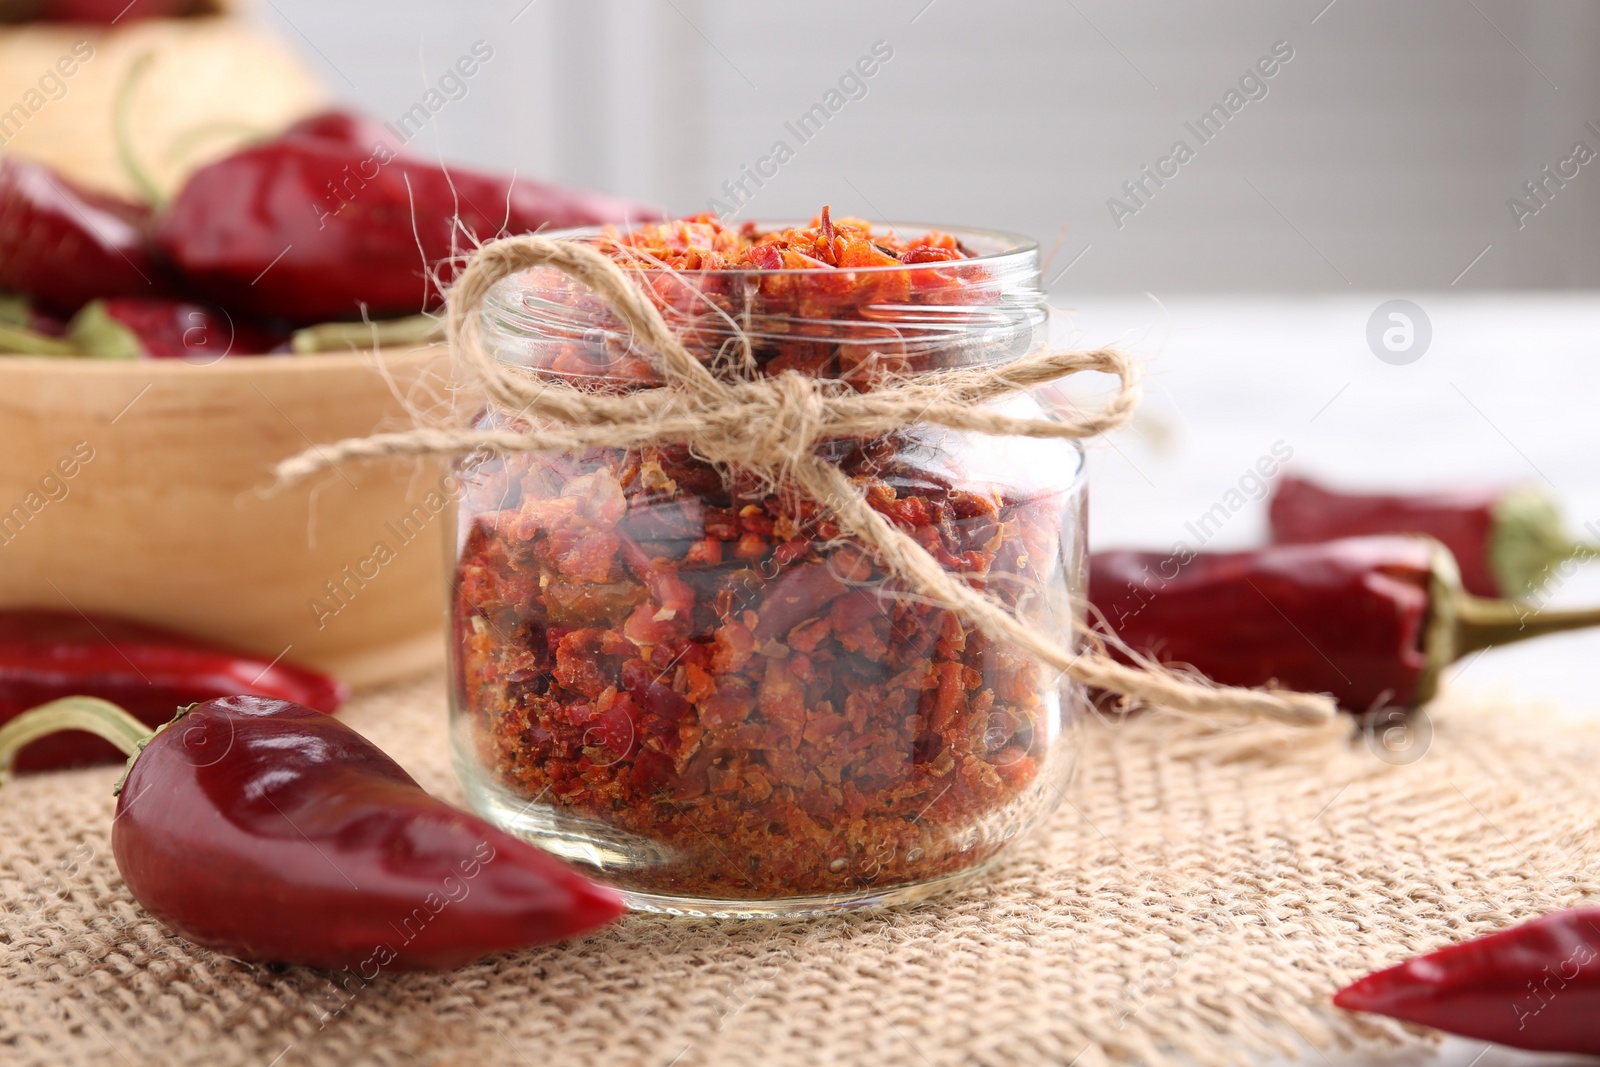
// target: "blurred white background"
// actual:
[[1376, 163], [1381, 156]]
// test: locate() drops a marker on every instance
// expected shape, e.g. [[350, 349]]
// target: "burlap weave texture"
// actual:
[[1196, 899]]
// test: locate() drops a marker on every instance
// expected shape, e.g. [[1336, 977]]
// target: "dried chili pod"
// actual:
[[312, 229], [268, 831], [346, 128], [152, 328], [1371, 620], [149, 670], [1534, 986], [105, 12], [63, 246], [1505, 540]]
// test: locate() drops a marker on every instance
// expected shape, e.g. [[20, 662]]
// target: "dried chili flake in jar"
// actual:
[[684, 676]]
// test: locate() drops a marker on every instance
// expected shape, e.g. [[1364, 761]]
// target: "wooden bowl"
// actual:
[[141, 489]]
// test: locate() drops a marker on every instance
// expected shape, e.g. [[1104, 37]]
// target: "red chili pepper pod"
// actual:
[[1504, 540], [1371, 620], [313, 230], [1534, 986], [104, 12], [63, 246], [344, 127], [268, 831], [143, 328], [46, 655]]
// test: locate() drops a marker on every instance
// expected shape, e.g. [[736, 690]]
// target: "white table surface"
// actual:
[[1508, 391]]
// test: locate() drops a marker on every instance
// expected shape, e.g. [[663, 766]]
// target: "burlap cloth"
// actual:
[[1196, 899]]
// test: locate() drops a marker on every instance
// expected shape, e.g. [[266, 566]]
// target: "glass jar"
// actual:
[[688, 682]]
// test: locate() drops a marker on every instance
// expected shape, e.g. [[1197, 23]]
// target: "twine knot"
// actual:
[[771, 426], [790, 412]]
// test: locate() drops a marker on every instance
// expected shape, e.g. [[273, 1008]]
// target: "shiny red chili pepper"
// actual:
[[148, 670], [63, 246], [269, 831], [1371, 620], [1534, 986], [138, 327], [1504, 540], [105, 12], [343, 127], [313, 230]]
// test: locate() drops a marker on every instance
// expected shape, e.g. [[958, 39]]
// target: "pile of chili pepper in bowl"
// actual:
[[330, 221], [103, 12], [325, 238]]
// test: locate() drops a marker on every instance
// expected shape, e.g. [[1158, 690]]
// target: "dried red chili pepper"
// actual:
[[343, 127], [62, 246], [148, 670], [1372, 620], [312, 230], [104, 12], [136, 327], [269, 831], [1504, 540], [1534, 986]]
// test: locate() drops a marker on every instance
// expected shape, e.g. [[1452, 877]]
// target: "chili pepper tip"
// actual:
[[594, 905], [1366, 994]]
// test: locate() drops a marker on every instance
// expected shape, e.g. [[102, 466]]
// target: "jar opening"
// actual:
[[855, 323]]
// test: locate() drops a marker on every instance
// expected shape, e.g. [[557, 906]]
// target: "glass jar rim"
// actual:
[[986, 309]]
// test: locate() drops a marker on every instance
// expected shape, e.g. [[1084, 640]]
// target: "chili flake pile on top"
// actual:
[[703, 242], [814, 299]]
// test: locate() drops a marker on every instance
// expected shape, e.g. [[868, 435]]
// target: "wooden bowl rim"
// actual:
[[273, 365]]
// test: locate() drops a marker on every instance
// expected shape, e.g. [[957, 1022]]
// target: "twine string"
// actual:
[[772, 427]]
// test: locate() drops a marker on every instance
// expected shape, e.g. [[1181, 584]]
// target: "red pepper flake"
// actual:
[[786, 703], [695, 243]]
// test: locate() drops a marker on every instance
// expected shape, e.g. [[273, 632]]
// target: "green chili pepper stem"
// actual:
[[14, 310], [365, 336], [1439, 637], [1529, 539], [1460, 624], [122, 107], [18, 341], [1482, 623], [99, 717], [97, 335]]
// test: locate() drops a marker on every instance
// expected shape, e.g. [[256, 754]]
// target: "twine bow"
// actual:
[[772, 426]]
